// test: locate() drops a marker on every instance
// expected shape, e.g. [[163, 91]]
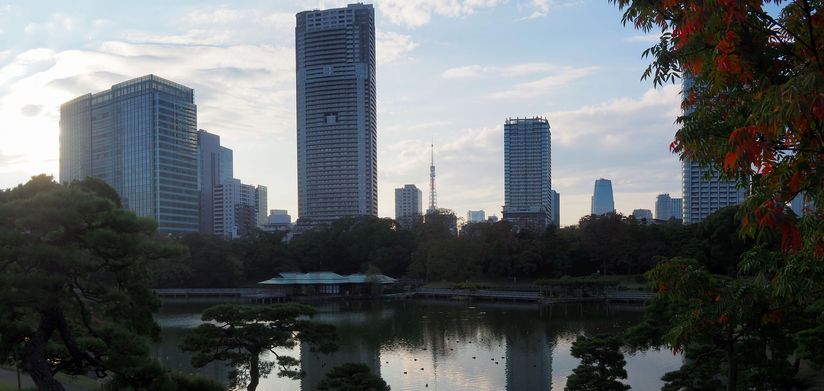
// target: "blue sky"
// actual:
[[448, 70]]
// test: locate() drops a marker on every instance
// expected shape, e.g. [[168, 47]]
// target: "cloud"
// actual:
[[223, 26], [245, 93], [543, 85], [541, 8], [392, 46], [56, 22], [645, 38], [616, 122], [474, 71], [416, 13]]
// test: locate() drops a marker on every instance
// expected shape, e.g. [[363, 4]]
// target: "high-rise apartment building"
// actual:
[[336, 113], [527, 172], [140, 137], [408, 205], [602, 200], [677, 208], [215, 168], [702, 188]]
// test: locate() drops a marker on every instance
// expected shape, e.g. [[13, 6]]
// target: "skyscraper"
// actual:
[[215, 168], [702, 188], [556, 209], [602, 201], [527, 172], [336, 113], [408, 205], [140, 137]]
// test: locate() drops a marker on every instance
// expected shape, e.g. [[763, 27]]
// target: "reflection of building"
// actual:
[[527, 173], [408, 205], [352, 349], [336, 113], [140, 137], [528, 361], [602, 200], [170, 356], [327, 283]]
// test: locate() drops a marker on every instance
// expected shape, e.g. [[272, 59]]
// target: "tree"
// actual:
[[754, 103], [240, 334], [352, 377], [73, 281], [602, 364]]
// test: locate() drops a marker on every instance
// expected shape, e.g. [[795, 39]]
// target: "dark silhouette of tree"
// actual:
[[241, 334]]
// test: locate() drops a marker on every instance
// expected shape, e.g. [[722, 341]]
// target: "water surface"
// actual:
[[445, 345]]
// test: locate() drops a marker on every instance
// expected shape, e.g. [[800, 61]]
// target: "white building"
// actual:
[[278, 220], [235, 207], [408, 205]]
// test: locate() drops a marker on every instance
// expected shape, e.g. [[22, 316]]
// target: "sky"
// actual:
[[449, 71]]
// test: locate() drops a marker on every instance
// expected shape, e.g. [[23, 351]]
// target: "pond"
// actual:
[[444, 345]]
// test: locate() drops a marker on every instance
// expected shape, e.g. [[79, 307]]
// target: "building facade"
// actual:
[[336, 113], [261, 205], [235, 209], [602, 200], [556, 209], [527, 173], [663, 207], [216, 167], [642, 214], [702, 188], [475, 216], [677, 208], [408, 205], [278, 220], [140, 137]]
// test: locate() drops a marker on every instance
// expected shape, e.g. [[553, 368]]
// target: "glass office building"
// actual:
[[140, 137], [336, 113]]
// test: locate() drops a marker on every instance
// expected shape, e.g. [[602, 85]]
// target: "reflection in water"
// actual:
[[446, 345]]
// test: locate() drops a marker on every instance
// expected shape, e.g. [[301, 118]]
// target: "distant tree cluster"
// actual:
[[611, 244]]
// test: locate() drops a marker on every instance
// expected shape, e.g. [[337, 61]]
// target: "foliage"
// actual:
[[352, 377], [602, 364], [754, 100], [240, 334], [73, 281]]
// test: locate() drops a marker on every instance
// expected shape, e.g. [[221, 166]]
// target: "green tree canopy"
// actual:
[[241, 334], [602, 364], [73, 281], [352, 377]]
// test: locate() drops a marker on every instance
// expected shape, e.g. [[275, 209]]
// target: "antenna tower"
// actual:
[[433, 199]]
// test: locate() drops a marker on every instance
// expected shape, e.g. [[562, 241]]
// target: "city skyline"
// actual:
[[239, 63]]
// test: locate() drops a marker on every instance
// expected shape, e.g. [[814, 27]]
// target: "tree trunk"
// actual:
[[732, 371], [34, 355], [254, 372]]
